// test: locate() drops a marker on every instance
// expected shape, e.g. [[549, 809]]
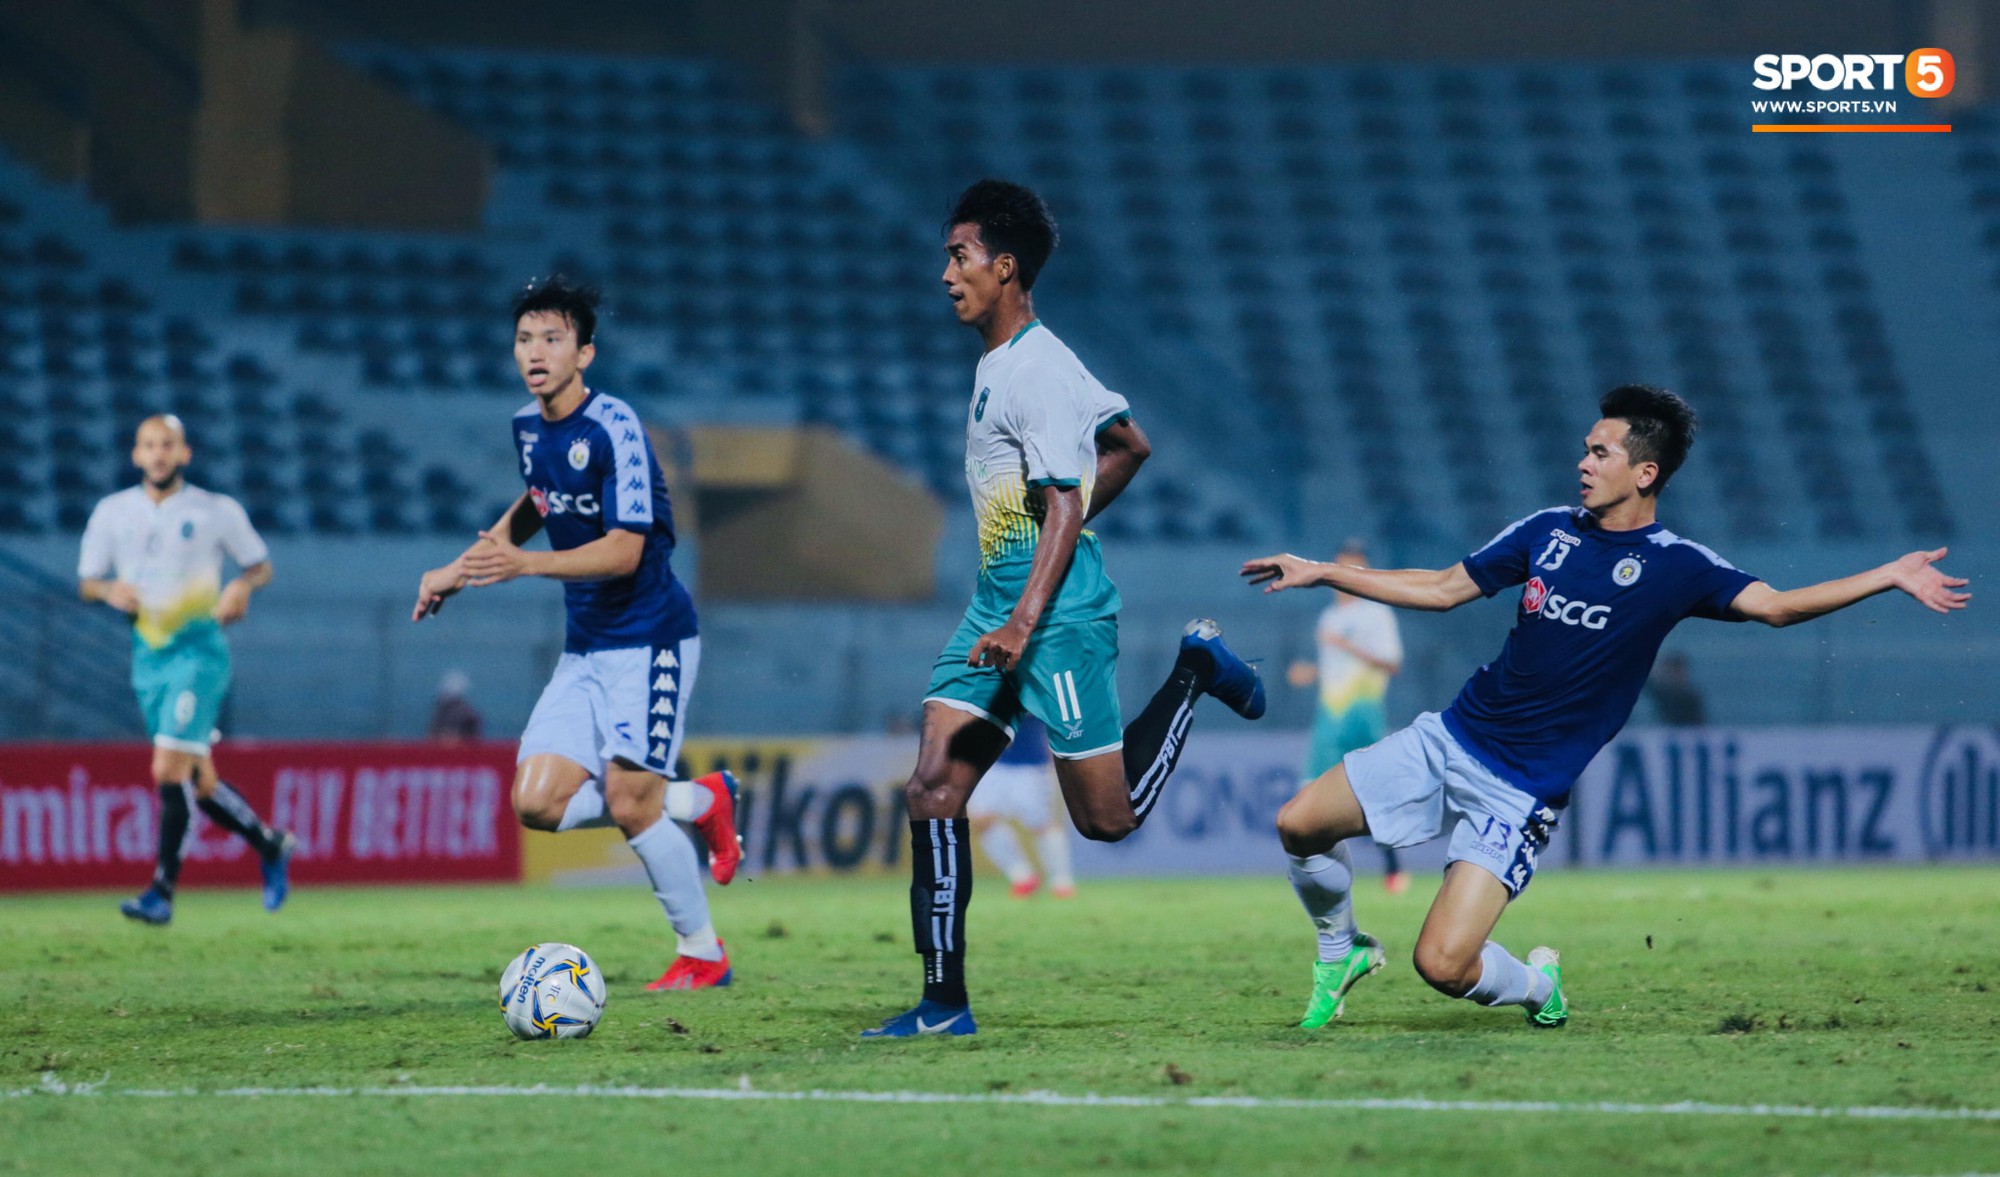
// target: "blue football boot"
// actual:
[[1236, 683], [278, 872], [151, 907], [928, 1018]]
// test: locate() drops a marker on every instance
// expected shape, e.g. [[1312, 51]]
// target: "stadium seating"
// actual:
[[1422, 274], [1409, 281], [1346, 300]]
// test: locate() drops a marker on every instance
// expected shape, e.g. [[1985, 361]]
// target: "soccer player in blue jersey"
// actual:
[[1047, 447], [1604, 583], [602, 742]]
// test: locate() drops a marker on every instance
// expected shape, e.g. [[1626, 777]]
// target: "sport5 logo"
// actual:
[[1927, 73], [560, 503], [1537, 599]]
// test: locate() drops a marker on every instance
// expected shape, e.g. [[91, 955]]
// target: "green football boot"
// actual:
[[1332, 981], [1555, 1011]]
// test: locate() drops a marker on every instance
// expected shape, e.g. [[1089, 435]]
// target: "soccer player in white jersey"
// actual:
[[1604, 583], [155, 553], [601, 745], [1360, 650], [1020, 789], [1046, 448]]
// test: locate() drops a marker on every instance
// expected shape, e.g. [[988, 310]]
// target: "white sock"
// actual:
[[1003, 846], [1503, 980], [675, 872], [1052, 845], [1324, 883], [702, 944], [585, 810], [687, 801]]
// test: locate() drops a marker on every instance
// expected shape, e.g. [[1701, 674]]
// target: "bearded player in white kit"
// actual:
[[155, 552]]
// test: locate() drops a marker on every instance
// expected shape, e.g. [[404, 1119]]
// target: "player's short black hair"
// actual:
[[576, 302], [1012, 219], [1660, 426]]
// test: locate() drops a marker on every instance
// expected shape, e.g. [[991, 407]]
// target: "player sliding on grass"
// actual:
[[154, 552], [1046, 448], [1605, 584], [605, 735]]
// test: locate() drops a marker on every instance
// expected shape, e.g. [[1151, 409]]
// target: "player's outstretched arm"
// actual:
[[1062, 523], [1915, 574], [1432, 590], [1121, 449]]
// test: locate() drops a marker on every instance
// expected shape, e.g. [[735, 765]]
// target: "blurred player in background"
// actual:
[[604, 737], [1020, 788], [1605, 584], [154, 552], [1360, 650], [1047, 447]]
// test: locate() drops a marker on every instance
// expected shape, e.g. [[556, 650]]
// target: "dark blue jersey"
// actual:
[[1030, 745], [589, 474], [1596, 606]]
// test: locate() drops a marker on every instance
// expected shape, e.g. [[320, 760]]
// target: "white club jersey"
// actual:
[[1344, 679], [171, 552], [1033, 422]]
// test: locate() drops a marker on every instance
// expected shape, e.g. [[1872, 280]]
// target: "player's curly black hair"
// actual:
[[1660, 427], [575, 302], [1012, 219]]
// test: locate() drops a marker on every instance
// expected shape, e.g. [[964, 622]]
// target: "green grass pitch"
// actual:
[[1818, 989]]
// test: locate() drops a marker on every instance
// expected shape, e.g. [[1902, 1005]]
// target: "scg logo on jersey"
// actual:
[[1536, 599], [1927, 73], [558, 503]]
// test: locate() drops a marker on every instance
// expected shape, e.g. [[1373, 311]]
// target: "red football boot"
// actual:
[[717, 827], [689, 972]]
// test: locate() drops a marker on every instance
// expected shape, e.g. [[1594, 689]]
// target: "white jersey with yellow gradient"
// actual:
[[171, 552], [1033, 422], [1345, 679]]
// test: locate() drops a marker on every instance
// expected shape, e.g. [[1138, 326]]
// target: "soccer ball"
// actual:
[[552, 991]]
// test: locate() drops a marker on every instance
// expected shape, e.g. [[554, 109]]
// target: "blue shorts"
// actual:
[[181, 687], [1419, 784]]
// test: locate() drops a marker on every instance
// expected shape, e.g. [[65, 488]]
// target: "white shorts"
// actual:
[[628, 705], [1017, 791], [1417, 783]]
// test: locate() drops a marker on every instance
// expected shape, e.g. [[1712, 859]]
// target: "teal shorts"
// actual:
[[1334, 736], [181, 687], [1067, 678]]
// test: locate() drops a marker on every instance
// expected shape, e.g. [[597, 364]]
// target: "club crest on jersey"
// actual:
[[579, 454], [979, 409], [1627, 571]]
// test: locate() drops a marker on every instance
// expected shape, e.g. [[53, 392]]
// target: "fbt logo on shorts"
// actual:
[[1536, 599], [1926, 73]]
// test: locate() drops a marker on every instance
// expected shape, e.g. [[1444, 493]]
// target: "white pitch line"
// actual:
[[52, 1086]]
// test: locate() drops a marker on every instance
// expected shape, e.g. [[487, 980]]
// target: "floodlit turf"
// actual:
[[1822, 989]]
